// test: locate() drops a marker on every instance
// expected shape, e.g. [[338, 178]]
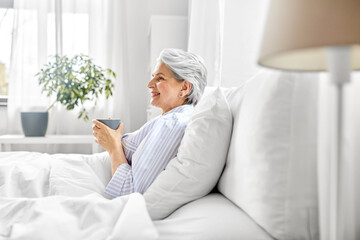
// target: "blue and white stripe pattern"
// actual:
[[148, 151]]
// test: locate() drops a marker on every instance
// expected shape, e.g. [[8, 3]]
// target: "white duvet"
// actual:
[[60, 196]]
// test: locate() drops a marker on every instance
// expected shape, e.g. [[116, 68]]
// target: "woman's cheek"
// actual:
[[161, 86]]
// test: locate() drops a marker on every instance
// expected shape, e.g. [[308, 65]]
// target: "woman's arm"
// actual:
[[121, 182]]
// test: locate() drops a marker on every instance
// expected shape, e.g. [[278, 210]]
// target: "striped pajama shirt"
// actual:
[[148, 151]]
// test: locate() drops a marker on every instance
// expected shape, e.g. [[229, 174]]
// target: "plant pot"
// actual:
[[34, 124]]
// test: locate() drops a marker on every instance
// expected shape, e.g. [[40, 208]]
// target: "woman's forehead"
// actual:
[[161, 68]]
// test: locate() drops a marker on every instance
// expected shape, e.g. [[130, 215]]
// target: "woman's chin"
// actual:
[[154, 103]]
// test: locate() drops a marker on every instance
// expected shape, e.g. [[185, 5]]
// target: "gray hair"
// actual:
[[186, 66]]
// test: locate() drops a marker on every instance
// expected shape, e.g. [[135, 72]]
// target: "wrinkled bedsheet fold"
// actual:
[[60, 196]]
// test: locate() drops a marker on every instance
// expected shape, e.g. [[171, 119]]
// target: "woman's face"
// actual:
[[166, 92]]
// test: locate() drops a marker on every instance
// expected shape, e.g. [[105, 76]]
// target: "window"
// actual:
[[75, 40], [6, 28]]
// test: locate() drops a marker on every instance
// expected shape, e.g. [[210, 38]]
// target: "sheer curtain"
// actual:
[[206, 22], [227, 34], [92, 27], [30, 50]]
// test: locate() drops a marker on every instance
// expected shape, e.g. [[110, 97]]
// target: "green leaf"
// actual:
[[75, 80]]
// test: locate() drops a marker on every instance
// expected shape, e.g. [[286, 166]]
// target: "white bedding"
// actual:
[[212, 217], [60, 196]]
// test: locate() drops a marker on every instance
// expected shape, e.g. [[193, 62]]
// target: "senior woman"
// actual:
[[137, 158]]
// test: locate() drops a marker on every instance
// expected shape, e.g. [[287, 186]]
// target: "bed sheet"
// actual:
[[60, 196], [211, 217]]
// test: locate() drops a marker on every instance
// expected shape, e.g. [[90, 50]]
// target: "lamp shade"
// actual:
[[297, 33]]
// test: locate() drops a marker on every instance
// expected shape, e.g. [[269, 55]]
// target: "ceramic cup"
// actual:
[[111, 123]]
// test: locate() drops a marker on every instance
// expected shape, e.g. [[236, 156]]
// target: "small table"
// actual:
[[7, 140]]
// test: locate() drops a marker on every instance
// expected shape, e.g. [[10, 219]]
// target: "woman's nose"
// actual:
[[151, 83]]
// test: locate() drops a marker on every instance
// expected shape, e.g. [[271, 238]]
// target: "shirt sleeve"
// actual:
[[150, 158], [121, 183]]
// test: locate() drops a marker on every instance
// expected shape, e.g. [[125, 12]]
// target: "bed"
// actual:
[[246, 169]]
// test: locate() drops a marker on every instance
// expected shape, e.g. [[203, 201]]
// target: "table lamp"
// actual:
[[320, 35]]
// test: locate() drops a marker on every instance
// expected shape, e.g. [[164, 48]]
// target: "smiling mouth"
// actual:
[[155, 94]]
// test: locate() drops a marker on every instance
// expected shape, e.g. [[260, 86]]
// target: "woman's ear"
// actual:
[[186, 87]]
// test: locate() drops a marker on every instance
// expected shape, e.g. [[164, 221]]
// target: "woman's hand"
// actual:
[[108, 138]]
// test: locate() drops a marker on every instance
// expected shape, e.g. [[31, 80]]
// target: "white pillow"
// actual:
[[195, 170], [271, 167]]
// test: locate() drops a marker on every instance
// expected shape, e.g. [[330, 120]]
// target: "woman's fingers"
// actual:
[[120, 128], [98, 124]]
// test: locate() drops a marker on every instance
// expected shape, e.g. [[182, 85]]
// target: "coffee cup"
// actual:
[[111, 123]]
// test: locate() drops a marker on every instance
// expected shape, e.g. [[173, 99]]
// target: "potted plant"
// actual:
[[74, 82]]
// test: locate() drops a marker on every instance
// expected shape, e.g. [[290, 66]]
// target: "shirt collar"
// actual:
[[181, 108]]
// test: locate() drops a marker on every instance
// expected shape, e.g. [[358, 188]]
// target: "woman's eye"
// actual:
[[161, 78]]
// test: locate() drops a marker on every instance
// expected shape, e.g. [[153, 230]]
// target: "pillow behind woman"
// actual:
[[195, 170]]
